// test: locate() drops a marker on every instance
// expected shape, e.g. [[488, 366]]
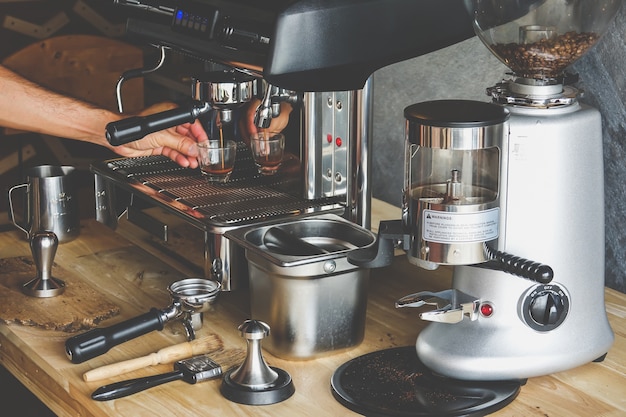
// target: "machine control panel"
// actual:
[[544, 307], [208, 22]]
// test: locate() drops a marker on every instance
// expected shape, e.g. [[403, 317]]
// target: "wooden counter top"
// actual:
[[36, 356]]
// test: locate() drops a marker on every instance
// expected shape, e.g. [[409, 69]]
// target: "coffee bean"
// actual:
[[546, 58]]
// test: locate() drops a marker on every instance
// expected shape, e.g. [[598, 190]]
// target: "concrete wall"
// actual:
[[464, 71]]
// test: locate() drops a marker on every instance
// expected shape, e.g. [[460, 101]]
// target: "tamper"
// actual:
[[254, 382], [43, 246]]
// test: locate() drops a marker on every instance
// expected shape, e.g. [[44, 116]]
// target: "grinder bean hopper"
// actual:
[[190, 298]]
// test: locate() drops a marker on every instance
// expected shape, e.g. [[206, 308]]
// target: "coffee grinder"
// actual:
[[522, 223]]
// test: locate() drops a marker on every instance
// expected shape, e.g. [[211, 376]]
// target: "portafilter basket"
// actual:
[[190, 298]]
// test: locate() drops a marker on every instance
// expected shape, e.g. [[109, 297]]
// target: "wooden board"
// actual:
[[78, 308]]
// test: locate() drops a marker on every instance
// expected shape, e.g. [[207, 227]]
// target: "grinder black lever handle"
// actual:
[[98, 341], [516, 265], [136, 127]]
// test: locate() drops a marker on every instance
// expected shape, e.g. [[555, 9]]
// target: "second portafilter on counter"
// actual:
[[190, 298]]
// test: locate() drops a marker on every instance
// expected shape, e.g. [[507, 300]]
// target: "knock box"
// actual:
[[303, 286]]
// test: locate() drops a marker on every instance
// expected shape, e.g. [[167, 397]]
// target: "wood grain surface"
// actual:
[[36, 356], [78, 308]]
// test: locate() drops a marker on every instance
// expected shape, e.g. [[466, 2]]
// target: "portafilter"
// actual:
[[190, 298]]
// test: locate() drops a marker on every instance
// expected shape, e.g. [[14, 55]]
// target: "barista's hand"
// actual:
[[277, 125], [177, 143]]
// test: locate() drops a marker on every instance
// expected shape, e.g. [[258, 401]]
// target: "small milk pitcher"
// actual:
[[51, 202]]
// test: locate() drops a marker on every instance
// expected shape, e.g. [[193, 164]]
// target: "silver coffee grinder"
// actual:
[[552, 207], [522, 223]]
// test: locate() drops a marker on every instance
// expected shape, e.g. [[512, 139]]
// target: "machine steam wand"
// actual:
[[134, 73]]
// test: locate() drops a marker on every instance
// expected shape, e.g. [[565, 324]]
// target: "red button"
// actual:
[[329, 138], [338, 142], [486, 309]]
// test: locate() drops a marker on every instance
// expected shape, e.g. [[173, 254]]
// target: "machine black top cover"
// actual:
[[305, 45], [333, 45]]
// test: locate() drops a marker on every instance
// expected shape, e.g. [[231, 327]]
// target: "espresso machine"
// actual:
[[315, 56], [511, 195]]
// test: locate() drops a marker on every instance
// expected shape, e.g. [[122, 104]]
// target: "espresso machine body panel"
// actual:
[[330, 124], [555, 215]]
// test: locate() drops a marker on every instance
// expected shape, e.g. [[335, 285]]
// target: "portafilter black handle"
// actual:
[[96, 342], [136, 127]]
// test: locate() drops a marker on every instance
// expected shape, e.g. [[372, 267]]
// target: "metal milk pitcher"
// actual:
[[51, 202]]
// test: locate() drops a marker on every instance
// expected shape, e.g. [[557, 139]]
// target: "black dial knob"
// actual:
[[545, 307]]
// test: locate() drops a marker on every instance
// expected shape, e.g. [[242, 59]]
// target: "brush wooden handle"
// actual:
[[166, 355]]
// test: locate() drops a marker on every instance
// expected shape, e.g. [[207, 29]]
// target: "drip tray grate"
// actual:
[[246, 197]]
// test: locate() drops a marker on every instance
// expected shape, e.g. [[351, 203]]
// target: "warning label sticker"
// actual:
[[447, 227]]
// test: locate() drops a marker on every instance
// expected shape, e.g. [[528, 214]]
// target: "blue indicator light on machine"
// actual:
[[179, 17]]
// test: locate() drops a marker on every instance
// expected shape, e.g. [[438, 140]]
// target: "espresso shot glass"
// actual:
[[217, 159], [267, 152]]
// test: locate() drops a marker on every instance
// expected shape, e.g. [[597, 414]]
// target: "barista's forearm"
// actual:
[[28, 106]]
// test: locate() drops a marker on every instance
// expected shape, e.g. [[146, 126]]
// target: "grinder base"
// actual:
[[394, 383]]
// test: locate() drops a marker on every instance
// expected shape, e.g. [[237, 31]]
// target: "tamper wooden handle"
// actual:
[[166, 355]]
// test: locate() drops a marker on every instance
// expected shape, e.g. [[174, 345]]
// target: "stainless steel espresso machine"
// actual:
[[318, 57], [511, 194]]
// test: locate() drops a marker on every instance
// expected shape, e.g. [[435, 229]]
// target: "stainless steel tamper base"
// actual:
[[255, 383], [43, 246]]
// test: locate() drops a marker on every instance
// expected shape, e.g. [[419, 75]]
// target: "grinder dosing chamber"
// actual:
[[454, 172]]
